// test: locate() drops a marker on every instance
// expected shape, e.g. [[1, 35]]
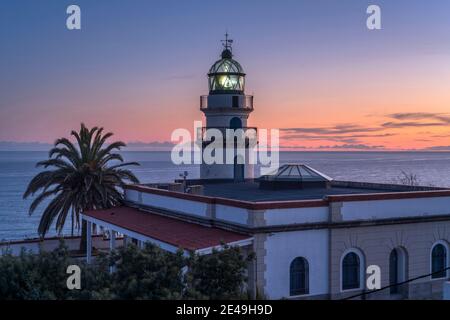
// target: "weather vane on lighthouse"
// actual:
[[227, 42]]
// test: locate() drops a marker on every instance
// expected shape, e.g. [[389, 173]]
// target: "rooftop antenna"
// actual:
[[184, 176]]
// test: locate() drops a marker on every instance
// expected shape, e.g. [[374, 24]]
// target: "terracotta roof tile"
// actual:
[[186, 235]]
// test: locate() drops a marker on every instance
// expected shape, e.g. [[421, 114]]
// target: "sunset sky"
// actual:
[[318, 74]]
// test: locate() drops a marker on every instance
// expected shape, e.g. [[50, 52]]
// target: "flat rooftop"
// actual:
[[250, 191]]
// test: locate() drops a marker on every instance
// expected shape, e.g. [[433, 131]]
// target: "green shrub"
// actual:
[[219, 275], [148, 273]]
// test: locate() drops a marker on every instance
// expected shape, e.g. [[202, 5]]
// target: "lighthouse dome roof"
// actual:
[[226, 65], [226, 76]]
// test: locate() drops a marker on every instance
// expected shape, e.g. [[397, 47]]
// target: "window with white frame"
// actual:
[[299, 277], [439, 256], [351, 270]]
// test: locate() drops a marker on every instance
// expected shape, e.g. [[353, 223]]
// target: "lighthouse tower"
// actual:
[[228, 107]]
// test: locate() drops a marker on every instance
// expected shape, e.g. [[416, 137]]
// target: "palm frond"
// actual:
[[78, 177]]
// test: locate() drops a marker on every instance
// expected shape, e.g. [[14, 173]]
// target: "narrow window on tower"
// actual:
[[235, 103]]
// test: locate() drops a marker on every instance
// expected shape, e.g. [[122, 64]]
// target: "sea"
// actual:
[[18, 167]]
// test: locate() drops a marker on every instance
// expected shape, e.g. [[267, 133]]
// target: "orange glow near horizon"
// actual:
[[332, 119], [320, 77]]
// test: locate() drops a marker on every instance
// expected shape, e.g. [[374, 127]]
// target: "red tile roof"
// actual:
[[186, 235]]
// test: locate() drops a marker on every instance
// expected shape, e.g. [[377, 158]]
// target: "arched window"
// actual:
[[438, 261], [351, 271], [299, 274], [398, 270], [393, 271]]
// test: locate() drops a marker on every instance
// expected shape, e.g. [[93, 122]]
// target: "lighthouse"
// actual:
[[226, 110]]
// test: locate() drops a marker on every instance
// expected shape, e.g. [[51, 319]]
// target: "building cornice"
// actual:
[[291, 227], [264, 205]]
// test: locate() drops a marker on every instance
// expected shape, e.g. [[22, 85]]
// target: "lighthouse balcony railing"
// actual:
[[245, 103], [248, 133]]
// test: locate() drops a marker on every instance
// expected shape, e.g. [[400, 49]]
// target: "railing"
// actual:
[[245, 130], [247, 103], [247, 134], [203, 102]]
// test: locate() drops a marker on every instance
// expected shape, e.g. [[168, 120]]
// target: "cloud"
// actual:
[[347, 146], [405, 124], [345, 133], [40, 146], [417, 119], [297, 137], [152, 144], [442, 117], [24, 146], [335, 137], [441, 136], [337, 129], [438, 148], [353, 147]]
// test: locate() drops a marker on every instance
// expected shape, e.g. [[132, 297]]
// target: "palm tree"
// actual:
[[81, 178]]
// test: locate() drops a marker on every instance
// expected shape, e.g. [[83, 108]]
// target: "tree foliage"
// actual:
[[34, 277], [148, 273], [215, 276], [407, 179]]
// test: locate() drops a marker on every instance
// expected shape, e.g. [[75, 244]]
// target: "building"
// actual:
[[313, 237]]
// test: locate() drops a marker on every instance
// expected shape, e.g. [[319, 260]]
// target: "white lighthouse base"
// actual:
[[227, 171]]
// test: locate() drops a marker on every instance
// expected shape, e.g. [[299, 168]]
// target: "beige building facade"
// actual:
[[413, 240]]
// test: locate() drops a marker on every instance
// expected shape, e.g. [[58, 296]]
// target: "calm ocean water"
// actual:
[[17, 168]]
